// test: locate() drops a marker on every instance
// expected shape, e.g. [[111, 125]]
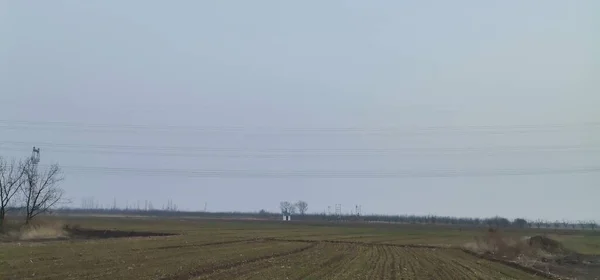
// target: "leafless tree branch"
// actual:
[[302, 207], [11, 180], [41, 190], [287, 208]]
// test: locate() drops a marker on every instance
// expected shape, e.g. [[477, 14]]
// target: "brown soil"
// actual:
[[548, 256], [81, 233], [547, 244], [224, 266]]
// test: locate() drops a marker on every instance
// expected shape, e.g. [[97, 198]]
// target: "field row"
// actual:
[[127, 258], [175, 258], [259, 250], [208, 230], [351, 261]]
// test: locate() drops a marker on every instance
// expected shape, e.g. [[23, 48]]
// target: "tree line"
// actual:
[[301, 207], [26, 188], [29, 189], [289, 208], [300, 210]]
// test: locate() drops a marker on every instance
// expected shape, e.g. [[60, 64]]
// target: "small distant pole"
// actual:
[[35, 156], [358, 209], [205, 205]]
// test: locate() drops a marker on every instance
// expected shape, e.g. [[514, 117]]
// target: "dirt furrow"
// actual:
[[360, 243], [287, 266], [395, 269], [215, 268], [333, 260], [210, 244], [447, 267], [409, 270], [378, 268], [455, 264], [324, 261], [345, 257], [514, 265], [355, 266], [386, 272], [425, 267]]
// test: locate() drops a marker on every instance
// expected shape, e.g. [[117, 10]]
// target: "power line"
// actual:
[[298, 155], [118, 147], [241, 173], [204, 152], [494, 129]]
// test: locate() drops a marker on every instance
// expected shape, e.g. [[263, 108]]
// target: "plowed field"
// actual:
[[351, 261], [257, 250]]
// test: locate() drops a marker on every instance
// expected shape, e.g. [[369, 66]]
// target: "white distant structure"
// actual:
[[287, 217]]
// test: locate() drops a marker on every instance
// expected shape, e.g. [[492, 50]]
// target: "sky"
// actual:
[[462, 108]]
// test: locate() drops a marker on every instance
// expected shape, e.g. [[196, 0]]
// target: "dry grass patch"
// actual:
[[38, 230], [539, 252]]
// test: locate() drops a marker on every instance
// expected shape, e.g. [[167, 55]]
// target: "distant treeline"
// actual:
[[493, 222]]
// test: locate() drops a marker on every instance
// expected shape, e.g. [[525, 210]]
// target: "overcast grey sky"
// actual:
[[291, 77]]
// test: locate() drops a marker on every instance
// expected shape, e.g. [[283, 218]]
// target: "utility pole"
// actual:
[[35, 156]]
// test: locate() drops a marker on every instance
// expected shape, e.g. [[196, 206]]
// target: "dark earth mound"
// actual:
[[81, 233], [546, 244], [566, 262]]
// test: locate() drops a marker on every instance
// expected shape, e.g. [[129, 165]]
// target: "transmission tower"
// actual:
[[338, 210], [35, 156]]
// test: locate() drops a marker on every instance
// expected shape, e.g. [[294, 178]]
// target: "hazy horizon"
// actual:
[[469, 108]]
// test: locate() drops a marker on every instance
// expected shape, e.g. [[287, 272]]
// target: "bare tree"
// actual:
[[556, 224], [539, 223], [530, 223], [11, 180], [286, 207], [41, 190], [302, 207], [520, 223], [565, 223], [11, 174]]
